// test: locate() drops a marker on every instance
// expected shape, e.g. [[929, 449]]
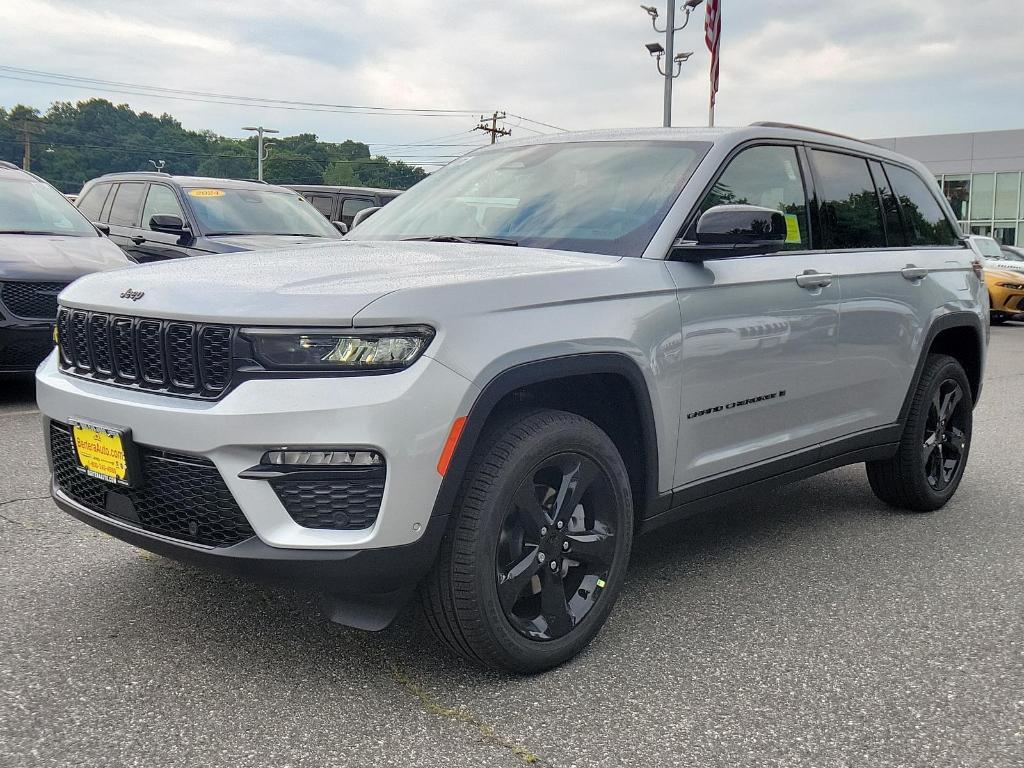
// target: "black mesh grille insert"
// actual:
[[183, 497], [179, 358], [342, 505], [34, 301], [24, 354]]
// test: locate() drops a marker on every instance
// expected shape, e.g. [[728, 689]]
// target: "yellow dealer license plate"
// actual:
[[102, 452]]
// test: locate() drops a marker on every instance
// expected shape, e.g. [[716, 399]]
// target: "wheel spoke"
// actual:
[[950, 402], [531, 513], [553, 606], [596, 547], [515, 581], [958, 441], [576, 479]]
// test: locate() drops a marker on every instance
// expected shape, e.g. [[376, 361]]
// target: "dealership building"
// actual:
[[980, 173]]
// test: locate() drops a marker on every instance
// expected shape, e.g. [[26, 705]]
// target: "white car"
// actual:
[[995, 255]]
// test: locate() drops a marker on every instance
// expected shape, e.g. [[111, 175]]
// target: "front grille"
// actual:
[[187, 359], [32, 301], [25, 354], [183, 497], [342, 505]]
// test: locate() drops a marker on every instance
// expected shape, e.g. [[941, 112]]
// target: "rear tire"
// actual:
[[997, 318], [536, 553], [929, 464]]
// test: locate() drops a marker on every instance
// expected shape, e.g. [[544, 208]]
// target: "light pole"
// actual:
[[260, 130], [675, 62]]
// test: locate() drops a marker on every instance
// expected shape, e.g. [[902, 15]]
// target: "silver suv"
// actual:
[[540, 351]]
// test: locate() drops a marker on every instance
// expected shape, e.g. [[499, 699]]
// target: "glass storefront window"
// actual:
[[983, 188], [1005, 232], [981, 229], [957, 190], [1007, 194]]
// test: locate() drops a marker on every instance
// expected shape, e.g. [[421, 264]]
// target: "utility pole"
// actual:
[[675, 62], [260, 157], [28, 130], [493, 128]]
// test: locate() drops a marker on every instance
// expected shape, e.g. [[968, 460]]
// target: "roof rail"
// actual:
[[125, 173], [772, 124], [5, 164]]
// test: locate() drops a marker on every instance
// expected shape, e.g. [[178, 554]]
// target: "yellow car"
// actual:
[[1006, 294]]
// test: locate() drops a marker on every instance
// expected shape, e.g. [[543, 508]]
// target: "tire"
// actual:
[[922, 477], [997, 318], [508, 529]]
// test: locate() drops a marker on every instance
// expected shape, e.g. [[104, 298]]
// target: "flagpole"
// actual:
[[711, 114]]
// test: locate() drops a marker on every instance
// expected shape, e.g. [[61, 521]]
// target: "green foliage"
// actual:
[[73, 143]]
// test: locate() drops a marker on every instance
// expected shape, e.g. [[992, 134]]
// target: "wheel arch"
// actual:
[[556, 383], [961, 335]]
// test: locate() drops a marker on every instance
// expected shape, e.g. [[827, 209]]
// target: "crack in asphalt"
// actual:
[[487, 732], [26, 526]]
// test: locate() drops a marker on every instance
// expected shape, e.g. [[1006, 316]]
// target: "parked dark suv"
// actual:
[[155, 216], [44, 244], [341, 204]]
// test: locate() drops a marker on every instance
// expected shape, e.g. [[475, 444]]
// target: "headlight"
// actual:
[[1012, 286], [375, 349]]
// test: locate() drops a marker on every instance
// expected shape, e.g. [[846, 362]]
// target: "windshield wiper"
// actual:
[[461, 239], [33, 232]]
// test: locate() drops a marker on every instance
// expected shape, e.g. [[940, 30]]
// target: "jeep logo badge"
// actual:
[[133, 295]]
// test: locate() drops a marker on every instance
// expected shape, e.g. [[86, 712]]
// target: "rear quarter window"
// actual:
[[91, 203], [925, 220]]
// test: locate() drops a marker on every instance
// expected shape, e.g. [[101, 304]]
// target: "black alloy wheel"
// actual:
[[556, 546], [945, 435]]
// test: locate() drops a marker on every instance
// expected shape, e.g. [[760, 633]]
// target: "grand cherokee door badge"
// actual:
[[737, 404]]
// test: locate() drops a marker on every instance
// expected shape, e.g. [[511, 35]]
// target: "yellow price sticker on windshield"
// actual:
[[206, 192], [792, 229]]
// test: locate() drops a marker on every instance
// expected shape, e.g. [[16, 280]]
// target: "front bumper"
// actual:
[[1007, 301], [405, 416], [360, 588]]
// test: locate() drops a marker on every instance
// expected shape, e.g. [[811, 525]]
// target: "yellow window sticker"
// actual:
[[206, 192], [792, 229]]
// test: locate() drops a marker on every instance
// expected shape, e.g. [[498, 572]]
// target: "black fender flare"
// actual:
[[536, 372], [960, 319]]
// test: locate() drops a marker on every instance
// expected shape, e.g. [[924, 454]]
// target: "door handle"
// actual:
[[138, 239], [910, 272], [811, 279]]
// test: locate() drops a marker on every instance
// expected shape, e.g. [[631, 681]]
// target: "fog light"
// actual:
[[323, 458]]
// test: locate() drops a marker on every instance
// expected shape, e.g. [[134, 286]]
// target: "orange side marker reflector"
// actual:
[[449, 445]]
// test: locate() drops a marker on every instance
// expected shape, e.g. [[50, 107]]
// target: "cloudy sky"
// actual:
[[867, 67]]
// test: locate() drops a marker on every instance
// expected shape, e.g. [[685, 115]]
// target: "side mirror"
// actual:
[[167, 223], [103, 229], [363, 215], [341, 226], [736, 230]]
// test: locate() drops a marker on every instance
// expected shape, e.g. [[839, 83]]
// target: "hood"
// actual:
[[312, 285], [57, 258], [998, 265], [1000, 275], [263, 242]]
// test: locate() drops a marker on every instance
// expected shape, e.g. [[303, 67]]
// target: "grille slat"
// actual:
[[183, 497], [179, 358], [30, 300]]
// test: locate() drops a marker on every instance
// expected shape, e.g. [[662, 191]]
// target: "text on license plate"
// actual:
[[101, 452]]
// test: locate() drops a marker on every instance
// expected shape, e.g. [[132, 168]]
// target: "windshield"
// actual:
[[256, 212], [596, 197], [988, 247], [30, 207]]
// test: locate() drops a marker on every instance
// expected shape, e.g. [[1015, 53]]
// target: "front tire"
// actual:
[[929, 464], [536, 553]]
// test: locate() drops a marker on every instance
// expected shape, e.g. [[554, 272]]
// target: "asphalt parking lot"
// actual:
[[811, 626]]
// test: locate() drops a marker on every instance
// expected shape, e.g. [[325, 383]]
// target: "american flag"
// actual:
[[713, 37]]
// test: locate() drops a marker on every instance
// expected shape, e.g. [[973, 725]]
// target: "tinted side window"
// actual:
[[890, 207], [353, 205], [926, 221], [125, 209], [850, 213], [161, 201], [92, 201], [323, 203], [769, 177]]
